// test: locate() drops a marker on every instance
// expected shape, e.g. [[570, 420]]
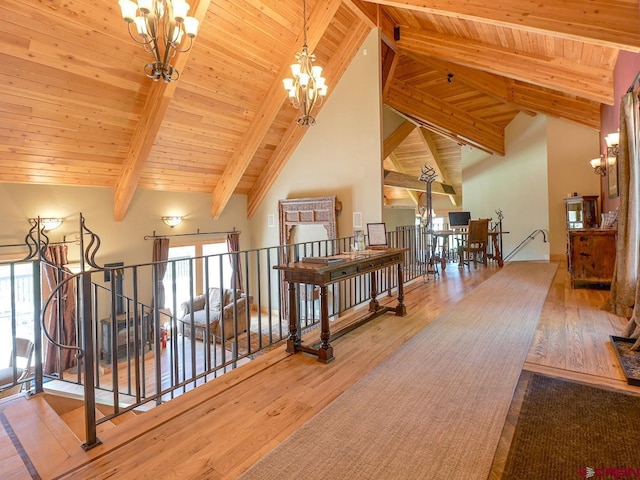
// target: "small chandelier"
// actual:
[[160, 27], [307, 87]]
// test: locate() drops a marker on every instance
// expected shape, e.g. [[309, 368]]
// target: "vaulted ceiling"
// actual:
[[76, 108]]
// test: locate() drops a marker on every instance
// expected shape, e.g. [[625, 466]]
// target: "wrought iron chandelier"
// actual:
[[160, 26], [307, 88]]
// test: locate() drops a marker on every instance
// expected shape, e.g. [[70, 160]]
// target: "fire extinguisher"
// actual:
[[163, 338]]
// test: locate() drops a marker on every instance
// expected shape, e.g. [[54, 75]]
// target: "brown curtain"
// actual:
[[624, 288], [62, 328], [160, 254], [233, 245]]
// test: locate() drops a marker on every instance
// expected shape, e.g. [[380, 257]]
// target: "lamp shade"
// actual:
[[172, 221], [128, 10], [612, 139]]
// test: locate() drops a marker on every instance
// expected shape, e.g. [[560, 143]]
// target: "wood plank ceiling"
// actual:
[[76, 108]]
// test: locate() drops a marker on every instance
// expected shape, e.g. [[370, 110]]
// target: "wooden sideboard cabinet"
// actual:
[[592, 256], [125, 337]]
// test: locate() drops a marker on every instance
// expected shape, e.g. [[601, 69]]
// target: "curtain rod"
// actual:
[[635, 80], [14, 245], [65, 242], [198, 232]]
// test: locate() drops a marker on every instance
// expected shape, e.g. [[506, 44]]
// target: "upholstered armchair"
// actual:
[[228, 305]]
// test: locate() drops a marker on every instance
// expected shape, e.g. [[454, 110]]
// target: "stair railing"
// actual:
[[528, 239], [94, 301], [84, 325]]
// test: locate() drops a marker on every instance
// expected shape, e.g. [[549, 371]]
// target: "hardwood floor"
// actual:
[[571, 342], [220, 429]]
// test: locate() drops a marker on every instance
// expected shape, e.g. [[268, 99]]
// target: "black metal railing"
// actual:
[[133, 351], [526, 241]]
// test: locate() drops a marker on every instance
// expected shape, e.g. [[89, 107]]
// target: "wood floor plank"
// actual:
[[220, 429]]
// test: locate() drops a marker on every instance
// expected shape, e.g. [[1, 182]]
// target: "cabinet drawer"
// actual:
[[371, 265], [343, 272]]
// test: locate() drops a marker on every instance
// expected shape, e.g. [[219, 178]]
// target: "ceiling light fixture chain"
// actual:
[[307, 86], [160, 27]]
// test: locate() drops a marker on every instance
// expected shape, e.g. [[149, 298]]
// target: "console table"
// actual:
[[324, 271]]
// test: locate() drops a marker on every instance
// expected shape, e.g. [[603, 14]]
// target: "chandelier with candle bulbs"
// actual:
[[160, 27], [307, 86]]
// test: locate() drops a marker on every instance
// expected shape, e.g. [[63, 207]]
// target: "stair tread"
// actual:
[[42, 433]]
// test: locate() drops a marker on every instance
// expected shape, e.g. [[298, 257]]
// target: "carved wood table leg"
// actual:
[[325, 352], [374, 306], [401, 308], [293, 341]]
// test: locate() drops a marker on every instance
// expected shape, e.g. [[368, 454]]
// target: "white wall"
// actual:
[[121, 241], [570, 147], [340, 155], [399, 216], [545, 159], [390, 121], [516, 184]]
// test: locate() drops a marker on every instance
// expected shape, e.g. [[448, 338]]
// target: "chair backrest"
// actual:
[[24, 352], [479, 231]]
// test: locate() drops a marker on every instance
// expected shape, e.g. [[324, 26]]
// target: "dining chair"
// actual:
[[23, 357], [474, 243]]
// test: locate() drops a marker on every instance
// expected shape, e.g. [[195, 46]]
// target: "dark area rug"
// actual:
[[567, 430]]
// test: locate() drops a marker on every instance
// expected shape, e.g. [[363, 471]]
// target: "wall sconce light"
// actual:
[[597, 166], [172, 221], [46, 224], [612, 139]]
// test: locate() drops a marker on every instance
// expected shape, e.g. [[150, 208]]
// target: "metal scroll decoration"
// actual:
[[89, 252], [428, 175]]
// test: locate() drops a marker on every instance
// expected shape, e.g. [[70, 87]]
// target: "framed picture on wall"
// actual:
[[612, 176]]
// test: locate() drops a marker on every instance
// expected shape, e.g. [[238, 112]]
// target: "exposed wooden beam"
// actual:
[[494, 86], [611, 23], [389, 64], [420, 122], [396, 137], [577, 110], [445, 116], [290, 140], [366, 12], [529, 99], [402, 180], [430, 143], [550, 72], [374, 16], [319, 20], [412, 193], [153, 112]]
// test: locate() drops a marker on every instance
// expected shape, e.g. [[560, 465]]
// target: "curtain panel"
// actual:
[[60, 317], [624, 288], [233, 245], [161, 255]]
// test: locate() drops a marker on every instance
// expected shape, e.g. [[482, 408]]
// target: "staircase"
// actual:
[[38, 429]]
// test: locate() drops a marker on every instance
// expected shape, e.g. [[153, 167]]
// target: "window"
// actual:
[[208, 259], [23, 298], [182, 256], [216, 258]]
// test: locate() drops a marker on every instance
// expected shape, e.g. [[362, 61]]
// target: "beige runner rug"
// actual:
[[435, 409]]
